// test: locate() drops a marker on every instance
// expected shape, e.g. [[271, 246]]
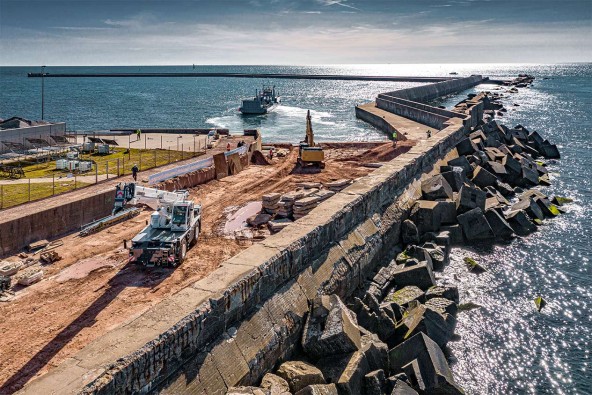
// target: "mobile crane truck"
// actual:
[[173, 227]]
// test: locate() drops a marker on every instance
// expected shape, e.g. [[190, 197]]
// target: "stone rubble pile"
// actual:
[[279, 210], [485, 193], [390, 338]]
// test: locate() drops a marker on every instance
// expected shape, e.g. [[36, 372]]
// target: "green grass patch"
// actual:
[[15, 194], [117, 161]]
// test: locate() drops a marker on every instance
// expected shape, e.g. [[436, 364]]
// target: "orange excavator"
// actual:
[[310, 154]]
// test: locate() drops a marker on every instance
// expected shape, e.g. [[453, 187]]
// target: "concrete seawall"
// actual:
[[406, 103], [429, 92]]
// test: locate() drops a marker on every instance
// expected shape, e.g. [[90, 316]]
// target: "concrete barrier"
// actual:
[[54, 222]]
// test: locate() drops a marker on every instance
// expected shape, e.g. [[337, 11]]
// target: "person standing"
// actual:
[[135, 171], [138, 134], [395, 138]]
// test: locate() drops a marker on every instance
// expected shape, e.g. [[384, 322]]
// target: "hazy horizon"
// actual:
[[307, 32]]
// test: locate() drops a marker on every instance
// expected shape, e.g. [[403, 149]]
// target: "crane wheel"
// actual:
[[182, 252], [195, 235]]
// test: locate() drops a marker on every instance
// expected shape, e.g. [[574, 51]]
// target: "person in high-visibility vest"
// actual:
[[395, 138], [138, 133]]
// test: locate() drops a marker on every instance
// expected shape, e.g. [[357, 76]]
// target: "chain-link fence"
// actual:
[[37, 180]]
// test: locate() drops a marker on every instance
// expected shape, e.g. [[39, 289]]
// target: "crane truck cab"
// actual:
[[173, 227]]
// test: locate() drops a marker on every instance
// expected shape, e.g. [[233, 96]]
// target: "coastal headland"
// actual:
[[321, 303]]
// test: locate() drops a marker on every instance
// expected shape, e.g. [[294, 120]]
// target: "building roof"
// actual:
[[18, 122]]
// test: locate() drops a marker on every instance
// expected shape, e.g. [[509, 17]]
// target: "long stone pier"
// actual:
[[235, 324], [336, 77]]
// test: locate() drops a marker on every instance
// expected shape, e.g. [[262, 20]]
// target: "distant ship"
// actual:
[[263, 102]]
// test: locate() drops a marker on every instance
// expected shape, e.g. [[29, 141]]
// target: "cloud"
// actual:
[[341, 3]]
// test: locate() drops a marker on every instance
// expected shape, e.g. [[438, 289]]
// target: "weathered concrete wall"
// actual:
[[199, 340], [436, 110], [378, 122], [429, 92], [419, 115], [17, 233]]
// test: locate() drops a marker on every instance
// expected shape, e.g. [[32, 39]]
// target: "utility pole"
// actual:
[[42, 92]]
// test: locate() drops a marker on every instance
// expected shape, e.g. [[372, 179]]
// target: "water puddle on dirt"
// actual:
[[82, 269], [237, 220]]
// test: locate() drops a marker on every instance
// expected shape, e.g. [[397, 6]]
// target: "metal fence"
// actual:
[[44, 179]]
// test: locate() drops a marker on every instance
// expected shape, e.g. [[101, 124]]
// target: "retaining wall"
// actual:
[[428, 118], [232, 326], [378, 122], [53, 222]]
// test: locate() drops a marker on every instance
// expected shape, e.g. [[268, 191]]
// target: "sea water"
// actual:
[[503, 347]]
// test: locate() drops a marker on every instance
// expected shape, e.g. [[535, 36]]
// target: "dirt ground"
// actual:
[[93, 289]]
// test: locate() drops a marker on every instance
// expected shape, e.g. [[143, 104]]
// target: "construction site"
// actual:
[[207, 275], [93, 287]]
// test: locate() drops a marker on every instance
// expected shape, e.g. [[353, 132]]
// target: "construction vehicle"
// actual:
[[310, 154], [172, 229]]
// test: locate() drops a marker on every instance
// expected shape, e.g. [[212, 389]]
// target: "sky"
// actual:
[[307, 32]]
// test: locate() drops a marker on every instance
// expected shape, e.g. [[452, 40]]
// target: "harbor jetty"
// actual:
[[335, 77], [343, 299]]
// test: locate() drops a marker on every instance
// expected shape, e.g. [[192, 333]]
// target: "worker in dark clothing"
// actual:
[[135, 171]]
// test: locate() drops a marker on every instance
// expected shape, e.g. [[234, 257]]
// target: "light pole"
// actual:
[[42, 92]]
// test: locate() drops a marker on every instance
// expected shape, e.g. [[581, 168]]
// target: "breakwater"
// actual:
[[257, 300], [334, 77]]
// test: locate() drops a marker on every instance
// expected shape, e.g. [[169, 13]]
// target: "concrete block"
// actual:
[[300, 374], [330, 329], [375, 351], [436, 187], [483, 178], [469, 198], [409, 232], [425, 365], [500, 227], [463, 163], [531, 207], [319, 389], [375, 382], [550, 151], [548, 208], [405, 295], [455, 233], [402, 388], [426, 216], [447, 210], [475, 225], [520, 222], [455, 178], [346, 371], [275, 384], [466, 147], [446, 292], [420, 275]]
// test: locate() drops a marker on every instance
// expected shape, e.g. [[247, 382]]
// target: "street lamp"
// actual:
[[42, 92]]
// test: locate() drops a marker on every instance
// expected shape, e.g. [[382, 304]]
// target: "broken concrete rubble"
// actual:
[[300, 374], [425, 365], [330, 329]]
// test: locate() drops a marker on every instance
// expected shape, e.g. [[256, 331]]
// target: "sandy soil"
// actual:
[[93, 289]]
